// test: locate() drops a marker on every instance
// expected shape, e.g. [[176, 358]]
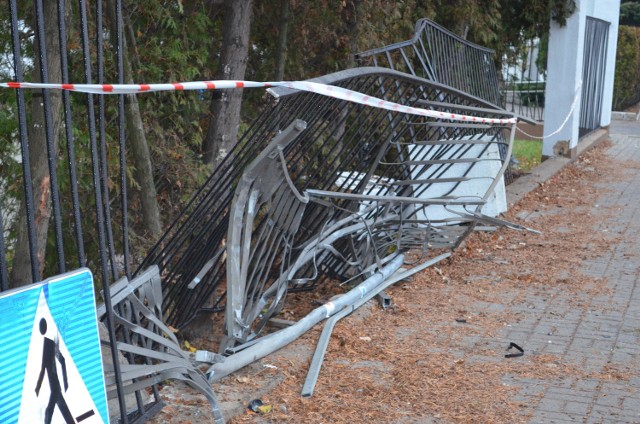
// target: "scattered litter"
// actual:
[[514, 355], [365, 339], [189, 347], [258, 407], [273, 367], [264, 409], [461, 320]]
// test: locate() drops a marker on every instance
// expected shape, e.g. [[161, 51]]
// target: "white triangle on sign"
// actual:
[[76, 396]]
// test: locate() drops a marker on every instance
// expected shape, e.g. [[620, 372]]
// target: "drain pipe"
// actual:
[[279, 339]]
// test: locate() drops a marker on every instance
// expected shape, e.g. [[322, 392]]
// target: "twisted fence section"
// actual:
[[378, 182], [438, 54]]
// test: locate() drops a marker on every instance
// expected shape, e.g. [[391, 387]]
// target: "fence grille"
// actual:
[[593, 74], [524, 84], [68, 198], [341, 138], [437, 54]]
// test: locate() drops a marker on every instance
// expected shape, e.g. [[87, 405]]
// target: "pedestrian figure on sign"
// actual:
[[51, 352]]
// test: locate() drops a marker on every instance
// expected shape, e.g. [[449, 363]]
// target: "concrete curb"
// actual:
[[550, 167], [625, 116]]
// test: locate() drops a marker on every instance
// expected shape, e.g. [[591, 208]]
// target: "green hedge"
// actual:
[[626, 90]]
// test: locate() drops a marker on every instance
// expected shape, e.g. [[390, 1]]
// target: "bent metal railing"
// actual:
[[323, 188], [261, 227], [437, 54]]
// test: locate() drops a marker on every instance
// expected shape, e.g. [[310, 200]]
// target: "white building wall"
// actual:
[[564, 73]]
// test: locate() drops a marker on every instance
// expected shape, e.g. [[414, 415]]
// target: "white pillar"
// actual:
[[564, 72]]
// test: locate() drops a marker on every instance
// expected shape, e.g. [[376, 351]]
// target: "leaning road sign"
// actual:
[[50, 363]]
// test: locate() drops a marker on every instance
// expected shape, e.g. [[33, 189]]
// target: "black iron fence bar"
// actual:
[[24, 143], [66, 100], [4, 280], [121, 139], [102, 143], [142, 412], [99, 213], [52, 154]]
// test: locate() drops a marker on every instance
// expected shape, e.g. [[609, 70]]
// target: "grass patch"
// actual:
[[528, 153]]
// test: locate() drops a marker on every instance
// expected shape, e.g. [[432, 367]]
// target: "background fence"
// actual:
[[64, 200]]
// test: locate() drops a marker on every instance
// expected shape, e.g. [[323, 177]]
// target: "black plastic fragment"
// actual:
[[254, 405], [514, 355]]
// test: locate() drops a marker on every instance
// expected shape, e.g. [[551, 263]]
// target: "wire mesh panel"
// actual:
[[345, 148]]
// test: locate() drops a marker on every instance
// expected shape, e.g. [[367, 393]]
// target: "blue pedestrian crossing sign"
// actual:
[[50, 362]]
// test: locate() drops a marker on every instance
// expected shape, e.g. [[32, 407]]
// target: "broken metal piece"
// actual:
[[384, 299], [152, 350], [514, 355], [323, 341]]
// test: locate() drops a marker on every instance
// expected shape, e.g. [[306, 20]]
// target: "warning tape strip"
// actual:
[[313, 87]]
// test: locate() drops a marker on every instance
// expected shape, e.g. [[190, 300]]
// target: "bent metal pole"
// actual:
[[279, 339]]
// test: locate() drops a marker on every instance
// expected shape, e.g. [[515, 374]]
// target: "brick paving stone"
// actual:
[[605, 335]]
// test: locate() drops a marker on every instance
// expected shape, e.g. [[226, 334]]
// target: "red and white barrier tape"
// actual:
[[313, 87]]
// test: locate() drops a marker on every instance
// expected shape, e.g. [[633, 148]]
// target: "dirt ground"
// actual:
[[437, 355]]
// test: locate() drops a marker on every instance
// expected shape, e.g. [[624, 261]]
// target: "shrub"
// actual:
[[626, 91]]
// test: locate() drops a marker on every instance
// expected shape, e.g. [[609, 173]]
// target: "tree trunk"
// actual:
[[352, 24], [40, 173], [225, 104], [137, 142], [141, 156], [281, 52]]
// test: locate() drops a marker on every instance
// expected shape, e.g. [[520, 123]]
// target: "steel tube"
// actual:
[[278, 340], [323, 342]]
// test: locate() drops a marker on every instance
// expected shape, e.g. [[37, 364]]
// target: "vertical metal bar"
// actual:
[[121, 137], [603, 64], [52, 154], [4, 280], [24, 143], [100, 217], [123, 173], [102, 145], [71, 154]]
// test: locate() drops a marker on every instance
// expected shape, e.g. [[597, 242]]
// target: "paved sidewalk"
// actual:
[[605, 333]]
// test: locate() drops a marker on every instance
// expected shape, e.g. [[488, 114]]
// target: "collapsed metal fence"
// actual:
[[317, 189], [344, 148]]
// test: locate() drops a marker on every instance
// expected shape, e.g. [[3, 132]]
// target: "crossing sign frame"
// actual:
[[51, 367]]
